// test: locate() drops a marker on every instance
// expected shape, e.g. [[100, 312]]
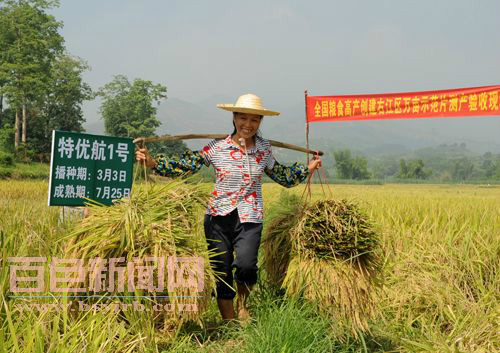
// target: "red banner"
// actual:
[[459, 102]]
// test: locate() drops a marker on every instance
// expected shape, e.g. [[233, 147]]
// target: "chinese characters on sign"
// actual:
[[447, 103], [107, 275], [89, 166]]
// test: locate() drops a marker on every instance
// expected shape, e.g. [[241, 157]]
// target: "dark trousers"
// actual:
[[225, 235]]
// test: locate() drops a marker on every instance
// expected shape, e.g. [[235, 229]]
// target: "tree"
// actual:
[[68, 91], [168, 148], [30, 42], [417, 169], [62, 104], [383, 167], [128, 109], [360, 168], [463, 169], [343, 163], [351, 168], [414, 169], [488, 166], [403, 169], [6, 138]]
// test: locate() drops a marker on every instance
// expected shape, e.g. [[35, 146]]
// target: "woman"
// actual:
[[233, 221]]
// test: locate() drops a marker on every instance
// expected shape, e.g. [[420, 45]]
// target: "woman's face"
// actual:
[[247, 124]]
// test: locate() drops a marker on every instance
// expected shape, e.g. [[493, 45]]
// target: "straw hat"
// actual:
[[248, 103]]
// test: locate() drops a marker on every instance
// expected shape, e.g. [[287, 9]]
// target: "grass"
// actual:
[[292, 326], [441, 290], [25, 171]]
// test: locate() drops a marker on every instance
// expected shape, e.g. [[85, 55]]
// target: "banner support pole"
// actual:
[[307, 124], [308, 186]]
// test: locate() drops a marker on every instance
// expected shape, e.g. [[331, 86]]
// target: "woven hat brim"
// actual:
[[233, 108]]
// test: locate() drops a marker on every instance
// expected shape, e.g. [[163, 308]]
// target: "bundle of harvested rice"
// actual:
[[163, 221], [333, 259], [333, 229], [276, 241]]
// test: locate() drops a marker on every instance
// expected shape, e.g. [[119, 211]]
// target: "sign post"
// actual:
[[89, 166]]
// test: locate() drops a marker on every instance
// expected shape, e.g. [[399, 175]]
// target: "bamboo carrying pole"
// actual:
[[142, 140]]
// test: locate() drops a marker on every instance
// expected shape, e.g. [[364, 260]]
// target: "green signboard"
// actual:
[[89, 166]]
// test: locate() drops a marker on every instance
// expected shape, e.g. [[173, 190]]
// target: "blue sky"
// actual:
[[277, 49]]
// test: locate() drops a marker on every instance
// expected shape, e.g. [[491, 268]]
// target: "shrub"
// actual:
[[7, 138], [6, 159]]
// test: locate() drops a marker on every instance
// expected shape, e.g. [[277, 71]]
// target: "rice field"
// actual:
[[440, 293]]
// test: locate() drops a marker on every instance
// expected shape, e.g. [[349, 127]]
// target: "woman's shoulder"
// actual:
[[216, 144], [262, 143]]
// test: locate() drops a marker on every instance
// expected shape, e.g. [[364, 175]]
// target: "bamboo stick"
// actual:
[[220, 136]]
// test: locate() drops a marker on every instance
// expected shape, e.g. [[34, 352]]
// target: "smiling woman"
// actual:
[[247, 126], [234, 216]]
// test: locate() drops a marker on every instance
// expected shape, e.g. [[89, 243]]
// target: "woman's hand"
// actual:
[[314, 164], [142, 155]]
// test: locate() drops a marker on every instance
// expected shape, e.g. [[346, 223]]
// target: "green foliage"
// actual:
[[463, 169], [349, 167], [489, 166], [30, 41], [37, 79], [7, 138], [343, 163], [443, 163], [384, 167], [360, 168], [403, 168], [6, 159], [25, 171], [128, 108], [61, 108], [288, 327], [25, 153], [413, 170], [445, 176], [168, 148], [40, 4]]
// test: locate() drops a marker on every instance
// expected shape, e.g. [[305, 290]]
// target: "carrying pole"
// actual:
[[142, 140]]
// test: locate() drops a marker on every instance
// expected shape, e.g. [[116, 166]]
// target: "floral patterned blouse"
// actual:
[[238, 175]]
